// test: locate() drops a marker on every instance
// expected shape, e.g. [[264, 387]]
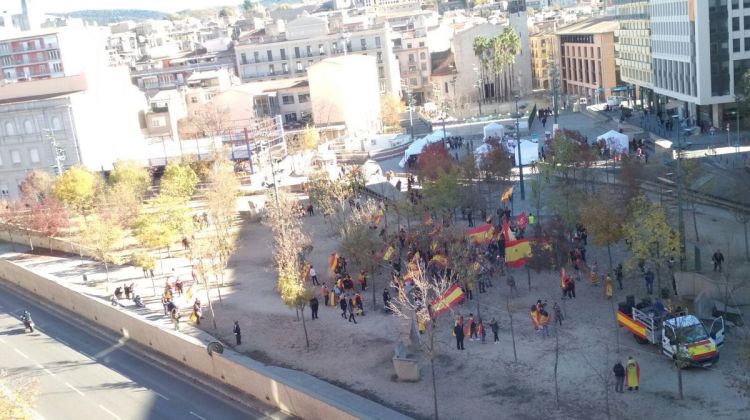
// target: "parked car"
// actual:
[[615, 100]]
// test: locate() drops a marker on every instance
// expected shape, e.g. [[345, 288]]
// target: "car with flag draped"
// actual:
[[675, 333]]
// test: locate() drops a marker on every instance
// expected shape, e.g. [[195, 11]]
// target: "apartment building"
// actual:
[[633, 46], [587, 58], [410, 47], [152, 76], [283, 54], [543, 51], [61, 101]]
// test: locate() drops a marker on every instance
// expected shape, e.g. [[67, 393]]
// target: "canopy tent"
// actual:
[[529, 152], [416, 147], [494, 130], [616, 141]]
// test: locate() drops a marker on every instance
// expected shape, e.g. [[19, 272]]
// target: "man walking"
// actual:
[[342, 305], [314, 307], [314, 276], [649, 277], [618, 275], [237, 332], [458, 331], [495, 329], [619, 371], [351, 310], [717, 258]]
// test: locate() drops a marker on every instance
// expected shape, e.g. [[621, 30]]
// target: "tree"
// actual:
[[131, 176], [289, 242], [36, 186], [76, 188], [503, 49], [496, 164], [146, 263], [390, 107], [538, 187], [179, 181], [48, 217], [327, 195], [162, 223], [743, 98], [482, 47], [648, 234], [101, 237], [443, 194], [413, 306], [433, 161], [360, 242], [566, 201], [604, 220], [310, 138]]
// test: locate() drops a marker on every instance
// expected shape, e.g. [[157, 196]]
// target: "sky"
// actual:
[[51, 6]]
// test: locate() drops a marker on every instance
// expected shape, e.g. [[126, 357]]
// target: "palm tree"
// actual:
[[505, 47], [482, 48]]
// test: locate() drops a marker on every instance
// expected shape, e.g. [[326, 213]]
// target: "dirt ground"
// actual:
[[484, 381]]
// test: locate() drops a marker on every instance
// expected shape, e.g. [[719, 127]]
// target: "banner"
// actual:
[[448, 299]]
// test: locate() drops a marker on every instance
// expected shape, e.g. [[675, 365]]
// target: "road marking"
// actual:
[[49, 372], [162, 396], [75, 389], [197, 416], [21, 353], [105, 409]]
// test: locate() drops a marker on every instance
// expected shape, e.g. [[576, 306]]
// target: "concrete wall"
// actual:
[[693, 284], [35, 239], [295, 392]]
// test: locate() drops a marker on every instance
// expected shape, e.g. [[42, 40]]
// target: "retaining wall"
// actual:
[[292, 391]]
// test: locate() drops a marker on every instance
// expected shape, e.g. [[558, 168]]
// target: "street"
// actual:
[[82, 375]]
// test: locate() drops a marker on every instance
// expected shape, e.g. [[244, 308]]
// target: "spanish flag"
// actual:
[[305, 271], [439, 260], [377, 217], [516, 253], [481, 235], [506, 195], [562, 278], [333, 260], [448, 299], [388, 254]]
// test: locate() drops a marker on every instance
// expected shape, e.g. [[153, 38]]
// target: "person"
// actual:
[[165, 302], [310, 210], [350, 307], [472, 327], [314, 276], [633, 374], [359, 305], [387, 300], [649, 277], [27, 322], [197, 312], [175, 314], [619, 371], [324, 292], [178, 286], [532, 218], [618, 275], [544, 322], [512, 285], [137, 301], [495, 329], [314, 307], [342, 305], [571, 287], [481, 331], [118, 292], [128, 290], [237, 332], [458, 331], [608, 287], [558, 313], [717, 258], [363, 280]]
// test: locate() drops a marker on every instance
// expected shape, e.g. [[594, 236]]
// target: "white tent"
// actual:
[[529, 151], [494, 130], [616, 141], [416, 147]]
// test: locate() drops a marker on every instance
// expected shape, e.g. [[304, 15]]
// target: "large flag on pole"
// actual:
[[333, 261], [507, 194], [481, 235], [448, 299], [516, 253]]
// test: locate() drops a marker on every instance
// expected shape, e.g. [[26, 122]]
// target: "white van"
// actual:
[[615, 100]]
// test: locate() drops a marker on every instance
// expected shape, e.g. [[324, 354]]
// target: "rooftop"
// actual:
[[443, 63], [590, 26]]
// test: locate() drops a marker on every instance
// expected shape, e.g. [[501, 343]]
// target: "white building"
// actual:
[[289, 52], [344, 90]]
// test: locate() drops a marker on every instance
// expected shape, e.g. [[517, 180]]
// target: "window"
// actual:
[[303, 97], [7, 60], [377, 41], [57, 67], [310, 63], [735, 4], [735, 44], [269, 54], [380, 57], [412, 69], [735, 24], [747, 43], [285, 68], [271, 70], [335, 47], [282, 53], [244, 58], [413, 81], [408, 45], [299, 66], [421, 43], [256, 56], [34, 155], [363, 43], [424, 66], [321, 51], [158, 122], [309, 51], [290, 117], [56, 124], [446, 87], [296, 52], [411, 58], [10, 130], [422, 55], [287, 100], [15, 157], [747, 23], [28, 126]]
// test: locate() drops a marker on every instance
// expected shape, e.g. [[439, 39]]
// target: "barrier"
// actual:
[[294, 392]]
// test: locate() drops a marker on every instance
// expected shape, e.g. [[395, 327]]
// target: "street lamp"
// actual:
[[680, 219], [518, 147]]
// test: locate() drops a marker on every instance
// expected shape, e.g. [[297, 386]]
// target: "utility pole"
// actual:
[[57, 150], [555, 87], [680, 186], [518, 145]]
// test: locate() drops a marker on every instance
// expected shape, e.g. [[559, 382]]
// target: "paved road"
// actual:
[[82, 375]]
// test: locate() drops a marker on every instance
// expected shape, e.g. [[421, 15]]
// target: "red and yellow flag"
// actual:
[[439, 260], [506, 195], [516, 253], [562, 278], [377, 217], [481, 235], [448, 299], [388, 253], [333, 261]]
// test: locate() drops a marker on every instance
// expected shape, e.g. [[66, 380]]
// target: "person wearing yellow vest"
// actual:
[[632, 374], [608, 288], [532, 218]]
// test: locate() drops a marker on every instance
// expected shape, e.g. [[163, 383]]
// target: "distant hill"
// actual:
[[104, 17]]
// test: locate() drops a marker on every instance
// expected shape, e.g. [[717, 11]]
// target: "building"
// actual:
[[587, 58], [344, 90], [152, 76], [543, 52], [285, 53], [62, 104], [444, 78], [633, 46], [410, 47], [165, 109]]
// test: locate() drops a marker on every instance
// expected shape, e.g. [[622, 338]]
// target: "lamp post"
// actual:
[[518, 147], [680, 219]]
